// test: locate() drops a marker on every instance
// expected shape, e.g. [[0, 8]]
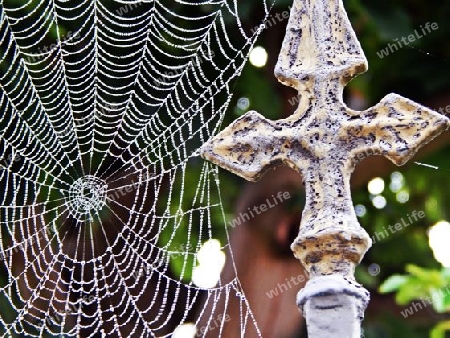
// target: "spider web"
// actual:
[[103, 105]]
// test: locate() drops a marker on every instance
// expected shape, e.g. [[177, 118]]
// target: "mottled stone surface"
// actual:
[[323, 138]]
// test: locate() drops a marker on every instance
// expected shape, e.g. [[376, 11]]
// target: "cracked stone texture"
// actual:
[[323, 138]]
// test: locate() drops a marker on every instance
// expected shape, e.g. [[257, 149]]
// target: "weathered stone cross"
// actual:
[[321, 140]]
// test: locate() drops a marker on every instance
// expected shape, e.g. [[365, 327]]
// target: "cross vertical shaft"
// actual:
[[319, 56]]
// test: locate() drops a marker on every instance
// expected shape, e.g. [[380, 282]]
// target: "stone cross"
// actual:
[[321, 140]]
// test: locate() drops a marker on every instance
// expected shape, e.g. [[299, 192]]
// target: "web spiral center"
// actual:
[[87, 196]]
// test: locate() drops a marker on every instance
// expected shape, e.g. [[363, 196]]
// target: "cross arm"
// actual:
[[396, 128], [252, 144]]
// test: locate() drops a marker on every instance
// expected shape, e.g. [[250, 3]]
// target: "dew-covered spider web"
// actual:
[[103, 105]]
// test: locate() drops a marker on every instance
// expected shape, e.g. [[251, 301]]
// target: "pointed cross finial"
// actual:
[[319, 55], [319, 42]]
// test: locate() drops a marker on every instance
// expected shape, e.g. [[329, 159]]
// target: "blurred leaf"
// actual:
[[446, 274], [446, 302], [438, 297], [393, 283], [427, 276], [414, 289], [439, 330]]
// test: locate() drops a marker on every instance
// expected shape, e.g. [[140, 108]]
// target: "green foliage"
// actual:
[[421, 283], [440, 329], [393, 283], [391, 327]]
